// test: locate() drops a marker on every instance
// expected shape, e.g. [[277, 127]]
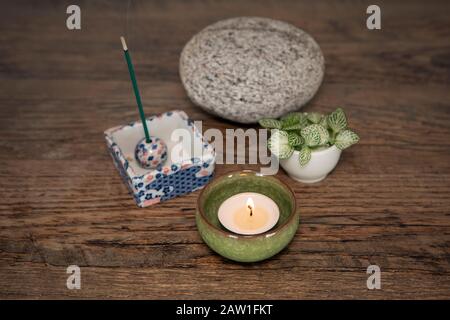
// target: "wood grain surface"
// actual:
[[62, 201]]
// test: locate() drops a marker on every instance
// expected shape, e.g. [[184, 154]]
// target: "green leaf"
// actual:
[[315, 135], [303, 120], [314, 117], [270, 123], [293, 127], [337, 120], [294, 139], [279, 144], [311, 136], [294, 121], [304, 155], [324, 122], [290, 119], [345, 139]]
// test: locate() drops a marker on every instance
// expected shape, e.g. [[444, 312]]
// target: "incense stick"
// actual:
[[135, 88]]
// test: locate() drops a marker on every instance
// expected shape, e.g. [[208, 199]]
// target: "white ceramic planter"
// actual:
[[321, 164]]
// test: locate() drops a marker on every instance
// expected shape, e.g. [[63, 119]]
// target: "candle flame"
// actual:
[[250, 203]]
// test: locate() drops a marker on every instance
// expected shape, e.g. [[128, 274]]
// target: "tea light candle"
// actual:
[[249, 213]]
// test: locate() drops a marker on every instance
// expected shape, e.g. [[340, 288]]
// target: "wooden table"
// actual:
[[62, 202]]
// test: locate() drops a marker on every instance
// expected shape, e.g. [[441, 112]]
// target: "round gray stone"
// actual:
[[245, 69]]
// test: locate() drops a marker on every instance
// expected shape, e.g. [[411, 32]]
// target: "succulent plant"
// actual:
[[306, 132]]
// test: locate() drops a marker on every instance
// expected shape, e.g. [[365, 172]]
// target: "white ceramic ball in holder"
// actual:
[[150, 154]]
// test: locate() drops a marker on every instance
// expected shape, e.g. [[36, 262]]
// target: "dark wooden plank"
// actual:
[[62, 202]]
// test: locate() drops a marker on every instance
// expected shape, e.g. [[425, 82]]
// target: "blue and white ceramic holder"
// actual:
[[189, 170]]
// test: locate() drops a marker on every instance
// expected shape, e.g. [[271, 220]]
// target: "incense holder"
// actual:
[[246, 248], [189, 165]]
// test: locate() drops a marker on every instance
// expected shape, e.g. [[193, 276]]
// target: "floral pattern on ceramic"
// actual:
[[150, 154], [169, 179]]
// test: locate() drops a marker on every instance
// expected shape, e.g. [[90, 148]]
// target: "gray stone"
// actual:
[[248, 68]]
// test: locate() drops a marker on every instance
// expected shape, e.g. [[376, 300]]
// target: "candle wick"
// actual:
[[251, 210]]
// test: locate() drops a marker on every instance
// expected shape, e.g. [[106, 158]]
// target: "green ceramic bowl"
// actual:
[[246, 248]]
